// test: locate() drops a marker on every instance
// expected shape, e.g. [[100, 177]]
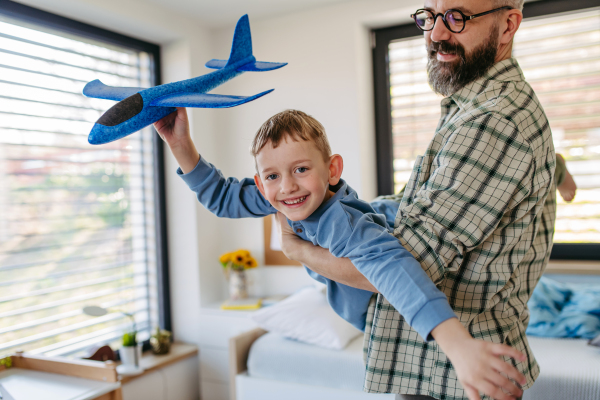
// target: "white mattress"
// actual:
[[570, 369], [275, 357]]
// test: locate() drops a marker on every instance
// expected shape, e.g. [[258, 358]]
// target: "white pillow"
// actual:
[[306, 316]]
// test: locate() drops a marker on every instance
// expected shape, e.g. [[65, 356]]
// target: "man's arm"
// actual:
[[477, 363], [484, 169]]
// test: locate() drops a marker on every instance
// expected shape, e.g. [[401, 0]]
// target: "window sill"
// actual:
[[151, 362], [573, 267]]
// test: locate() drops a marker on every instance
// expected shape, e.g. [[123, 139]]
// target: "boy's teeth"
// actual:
[[295, 201]]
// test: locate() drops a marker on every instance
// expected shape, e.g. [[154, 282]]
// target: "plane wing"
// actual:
[[99, 90], [203, 100], [256, 66]]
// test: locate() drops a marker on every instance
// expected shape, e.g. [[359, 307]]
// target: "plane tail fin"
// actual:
[[241, 47], [241, 52]]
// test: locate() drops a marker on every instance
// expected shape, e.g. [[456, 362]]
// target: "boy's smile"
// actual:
[[295, 178]]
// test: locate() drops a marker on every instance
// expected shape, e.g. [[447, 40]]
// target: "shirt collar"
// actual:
[[312, 222], [505, 71]]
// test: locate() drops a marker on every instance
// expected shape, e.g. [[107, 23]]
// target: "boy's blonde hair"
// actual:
[[294, 124]]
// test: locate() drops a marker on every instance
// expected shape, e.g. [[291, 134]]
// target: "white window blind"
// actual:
[[560, 57], [77, 222]]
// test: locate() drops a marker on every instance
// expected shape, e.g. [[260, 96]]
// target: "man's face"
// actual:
[[457, 59], [293, 177]]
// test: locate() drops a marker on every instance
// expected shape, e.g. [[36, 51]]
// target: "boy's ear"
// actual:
[[336, 166], [259, 185]]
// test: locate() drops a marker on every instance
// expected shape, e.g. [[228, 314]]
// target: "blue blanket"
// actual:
[[564, 310]]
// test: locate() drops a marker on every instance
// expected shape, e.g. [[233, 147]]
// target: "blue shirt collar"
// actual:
[[312, 222]]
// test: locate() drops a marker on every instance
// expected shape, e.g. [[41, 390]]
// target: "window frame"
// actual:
[[67, 25], [383, 120]]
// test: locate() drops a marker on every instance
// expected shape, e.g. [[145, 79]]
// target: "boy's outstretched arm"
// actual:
[[477, 363], [174, 129]]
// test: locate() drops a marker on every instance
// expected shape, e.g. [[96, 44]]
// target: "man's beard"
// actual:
[[447, 78]]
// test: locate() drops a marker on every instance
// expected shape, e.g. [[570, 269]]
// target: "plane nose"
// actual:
[[96, 135]]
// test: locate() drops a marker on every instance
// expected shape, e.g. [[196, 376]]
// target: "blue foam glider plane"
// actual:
[[139, 107]]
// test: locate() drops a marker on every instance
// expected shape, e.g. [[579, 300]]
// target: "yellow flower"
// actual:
[[239, 257], [225, 258], [250, 263]]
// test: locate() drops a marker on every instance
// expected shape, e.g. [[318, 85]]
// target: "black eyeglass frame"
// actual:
[[464, 17]]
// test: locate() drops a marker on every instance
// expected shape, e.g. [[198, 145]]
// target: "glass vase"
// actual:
[[238, 284]]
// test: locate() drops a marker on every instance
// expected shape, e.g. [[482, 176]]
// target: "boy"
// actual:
[[298, 176]]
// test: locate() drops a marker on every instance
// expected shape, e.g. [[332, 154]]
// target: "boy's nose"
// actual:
[[288, 186]]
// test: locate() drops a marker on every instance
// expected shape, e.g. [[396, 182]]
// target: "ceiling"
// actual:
[[215, 13]]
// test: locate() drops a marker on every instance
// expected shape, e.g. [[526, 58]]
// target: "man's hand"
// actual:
[[174, 129], [291, 245], [477, 363]]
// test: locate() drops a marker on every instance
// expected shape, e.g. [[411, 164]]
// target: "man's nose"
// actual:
[[439, 32]]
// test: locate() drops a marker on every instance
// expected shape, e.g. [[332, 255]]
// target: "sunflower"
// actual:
[[250, 263], [239, 257], [225, 258]]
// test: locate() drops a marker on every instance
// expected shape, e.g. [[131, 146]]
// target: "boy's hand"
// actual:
[[174, 129], [478, 365]]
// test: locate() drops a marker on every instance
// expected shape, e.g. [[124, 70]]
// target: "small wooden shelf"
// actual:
[[573, 267], [151, 362]]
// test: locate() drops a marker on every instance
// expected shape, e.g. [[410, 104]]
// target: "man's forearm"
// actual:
[[340, 270]]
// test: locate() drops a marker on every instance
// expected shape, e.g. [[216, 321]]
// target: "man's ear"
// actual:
[[513, 21], [336, 166], [259, 185]]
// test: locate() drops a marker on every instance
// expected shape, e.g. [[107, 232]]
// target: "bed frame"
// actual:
[[244, 387]]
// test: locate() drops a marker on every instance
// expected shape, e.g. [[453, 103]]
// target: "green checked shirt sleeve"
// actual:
[[478, 214]]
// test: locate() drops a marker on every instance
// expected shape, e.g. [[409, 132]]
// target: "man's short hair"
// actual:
[[516, 4], [295, 125]]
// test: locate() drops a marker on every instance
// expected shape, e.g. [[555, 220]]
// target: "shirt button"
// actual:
[[298, 230]]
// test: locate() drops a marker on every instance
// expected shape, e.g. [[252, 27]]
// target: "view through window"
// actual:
[[560, 57], [77, 221]]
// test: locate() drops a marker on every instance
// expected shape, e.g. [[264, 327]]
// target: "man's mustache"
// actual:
[[446, 47]]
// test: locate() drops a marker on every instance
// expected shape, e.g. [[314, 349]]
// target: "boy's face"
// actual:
[[294, 178]]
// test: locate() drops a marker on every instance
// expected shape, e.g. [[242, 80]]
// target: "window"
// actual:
[[79, 224], [558, 49]]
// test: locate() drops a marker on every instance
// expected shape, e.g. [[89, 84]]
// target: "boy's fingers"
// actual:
[[504, 350], [471, 392], [505, 384], [494, 391], [509, 370]]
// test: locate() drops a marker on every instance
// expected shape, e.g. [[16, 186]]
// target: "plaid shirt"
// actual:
[[478, 213]]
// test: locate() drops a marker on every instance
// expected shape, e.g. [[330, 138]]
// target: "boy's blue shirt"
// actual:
[[348, 227]]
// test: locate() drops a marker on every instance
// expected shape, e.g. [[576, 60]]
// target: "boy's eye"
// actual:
[[301, 169], [271, 177]]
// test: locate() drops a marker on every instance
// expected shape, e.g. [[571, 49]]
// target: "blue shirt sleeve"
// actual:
[[348, 302], [388, 208], [227, 198], [363, 237]]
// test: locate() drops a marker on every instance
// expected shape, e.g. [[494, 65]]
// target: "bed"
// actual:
[[267, 366]]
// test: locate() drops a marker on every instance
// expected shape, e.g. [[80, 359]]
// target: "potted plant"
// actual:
[[130, 352], [160, 341]]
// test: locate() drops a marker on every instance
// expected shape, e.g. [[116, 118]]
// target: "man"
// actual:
[[478, 212]]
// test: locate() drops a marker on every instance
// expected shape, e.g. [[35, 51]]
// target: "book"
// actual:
[[251, 303]]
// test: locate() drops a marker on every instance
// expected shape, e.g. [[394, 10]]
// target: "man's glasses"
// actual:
[[454, 20]]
